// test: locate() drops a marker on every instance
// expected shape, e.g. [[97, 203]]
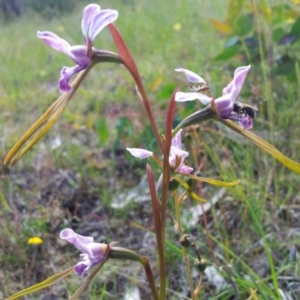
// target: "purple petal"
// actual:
[[226, 102], [185, 169], [224, 105], [176, 140], [79, 55], [235, 86], [179, 152], [175, 155], [100, 20], [81, 268], [72, 237], [93, 252], [191, 76], [244, 121], [140, 153], [66, 74], [87, 17], [54, 41], [75, 239], [183, 97]]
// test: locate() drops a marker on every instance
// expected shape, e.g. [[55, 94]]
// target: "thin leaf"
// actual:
[[264, 145], [49, 281], [132, 68], [44, 129], [196, 197], [213, 181], [45, 122], [155, 203], [32, 130], [189, 190]]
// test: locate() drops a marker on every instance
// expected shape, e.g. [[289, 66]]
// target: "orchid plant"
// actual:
[[172, 157], [93, 21]]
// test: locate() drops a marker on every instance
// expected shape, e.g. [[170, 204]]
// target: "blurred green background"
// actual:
[[79, 175]]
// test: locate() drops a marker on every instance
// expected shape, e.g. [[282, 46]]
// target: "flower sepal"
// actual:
[[123, 253], [196, 118], [100, 56]]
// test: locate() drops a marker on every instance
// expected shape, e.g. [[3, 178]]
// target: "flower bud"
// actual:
[[201, 265], [185, 241], [173, 185]]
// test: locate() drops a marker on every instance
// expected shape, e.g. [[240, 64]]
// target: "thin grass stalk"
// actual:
[[184, 249]]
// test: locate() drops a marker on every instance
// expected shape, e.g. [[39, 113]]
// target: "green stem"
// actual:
[[123, 253], [184, 250], [195, 118], [267, 81]]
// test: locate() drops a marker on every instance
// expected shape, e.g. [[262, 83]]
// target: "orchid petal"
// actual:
[[66, 75], [93, 253], [82, 267], [54, 41], [75, 239], [79, 55], [183, 97], [140, 153], [246, 122], [87, 17], [177, 157], [224, 105], [191, 76], [235, 86], [176, 140], [100, 20], [178, 152], [185, 169]]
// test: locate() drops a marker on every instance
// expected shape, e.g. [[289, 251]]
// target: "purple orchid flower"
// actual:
[[93, 253], [176, 157], [93, 21], [225, 103]]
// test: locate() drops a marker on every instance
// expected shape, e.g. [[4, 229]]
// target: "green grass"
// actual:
[[254, 220]]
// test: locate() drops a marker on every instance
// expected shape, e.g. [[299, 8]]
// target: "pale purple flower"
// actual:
[[93, 21], [177, 155], [225, 103], [93, 253], [140, 153], [176, 158]]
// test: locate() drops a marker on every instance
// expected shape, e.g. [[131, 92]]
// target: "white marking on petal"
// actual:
[[100, 20], [54, 41], [87, 17]]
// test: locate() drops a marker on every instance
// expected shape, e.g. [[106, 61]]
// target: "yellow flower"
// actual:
[[35, 240]]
